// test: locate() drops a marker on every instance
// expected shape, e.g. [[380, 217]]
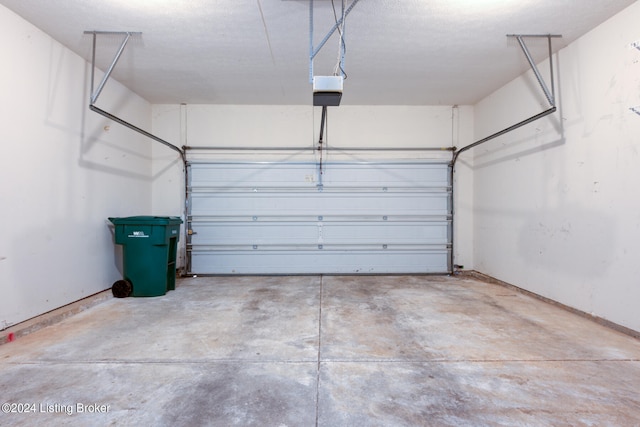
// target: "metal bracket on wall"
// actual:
[[95, 94], [635, 109], [550, 94], [127, 36]]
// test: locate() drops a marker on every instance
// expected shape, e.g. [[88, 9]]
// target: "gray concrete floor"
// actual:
[[328, 351]]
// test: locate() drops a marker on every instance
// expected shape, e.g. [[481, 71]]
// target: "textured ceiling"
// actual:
[[398, 52]]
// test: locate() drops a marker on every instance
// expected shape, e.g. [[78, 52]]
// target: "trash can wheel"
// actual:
[[121, 288]]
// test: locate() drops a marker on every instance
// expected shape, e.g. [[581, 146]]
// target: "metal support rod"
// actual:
[[553, 86], [333, 148], [137, 129], [322, 120], [333, 29], [550, 95], [311, 55], [93, 66], [230, 148], [313, 52], [323, 124], [310, 163], [503, 131], [541, 82], [96, 94], [342, 43]]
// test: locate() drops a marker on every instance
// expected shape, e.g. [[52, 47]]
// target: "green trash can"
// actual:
[[149, 248]]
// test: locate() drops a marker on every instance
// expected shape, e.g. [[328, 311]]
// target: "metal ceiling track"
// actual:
[[96, 93]]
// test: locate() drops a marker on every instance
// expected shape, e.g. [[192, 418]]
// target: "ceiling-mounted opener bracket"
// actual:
[[314, 51], [549, 93], [327, 90], [96, 93]]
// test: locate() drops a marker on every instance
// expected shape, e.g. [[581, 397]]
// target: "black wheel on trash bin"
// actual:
[[121, 288]]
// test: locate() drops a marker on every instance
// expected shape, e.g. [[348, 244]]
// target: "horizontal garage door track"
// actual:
[[323, 350]]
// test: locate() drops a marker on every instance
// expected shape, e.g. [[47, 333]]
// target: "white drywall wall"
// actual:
[[299, 126], [64, 170], [556, 208]]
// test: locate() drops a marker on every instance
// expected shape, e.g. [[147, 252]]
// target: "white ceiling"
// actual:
[[399, 52]]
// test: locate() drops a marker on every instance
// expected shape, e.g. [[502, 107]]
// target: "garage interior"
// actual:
[[449, 238]]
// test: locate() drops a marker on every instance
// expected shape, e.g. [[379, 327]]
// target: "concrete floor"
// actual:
[[328, 351]]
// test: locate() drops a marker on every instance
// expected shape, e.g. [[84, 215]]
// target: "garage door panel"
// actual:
[[320, 204], [384, 233], [319, 261], [306, 175], [243, 233], [239, 175], [386, 175], [278, 218], [342, 233]]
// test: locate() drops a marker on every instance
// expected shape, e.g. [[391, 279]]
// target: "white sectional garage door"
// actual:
[[288, 218]]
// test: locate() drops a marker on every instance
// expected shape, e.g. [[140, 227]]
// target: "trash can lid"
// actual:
[[146, 220]]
